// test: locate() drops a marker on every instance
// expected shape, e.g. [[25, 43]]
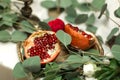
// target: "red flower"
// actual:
[[56, 25]]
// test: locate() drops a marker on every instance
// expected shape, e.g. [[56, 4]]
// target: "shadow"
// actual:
[[5, 73]]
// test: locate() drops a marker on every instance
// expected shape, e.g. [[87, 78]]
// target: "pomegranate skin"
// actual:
[[80, 39]]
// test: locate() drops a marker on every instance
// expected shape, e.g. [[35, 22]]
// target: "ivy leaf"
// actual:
[[112, 33], [18, 36], [32, 64], [63, 37], [81, 18], [48, 4], [91, 20], [65, 3], [116, 51], [97, 4], [4, 36], [117, 12], [18, 71], [71, 11], [84, 6], [27, 27], [44, 26], [91, 28]]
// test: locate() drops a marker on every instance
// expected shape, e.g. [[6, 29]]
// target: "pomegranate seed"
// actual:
[[83, 33], [42, 45], [89, 36]]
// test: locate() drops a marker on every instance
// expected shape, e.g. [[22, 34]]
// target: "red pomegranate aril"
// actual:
[[83, 33], [42, 44], [89, 36]]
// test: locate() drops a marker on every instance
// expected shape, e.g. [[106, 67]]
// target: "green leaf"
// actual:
[[117, 39], [113, 64], [70, 19], [4, 27], [65, 3], [27, 27], [81, 18], [71, 11], [107, 13], [99, 39], [8, 19], [93, 51], [50, 77], [75, 3], [49, 19], [97, 4], [112, 33], [58, 78], [91, 28], [77, 59], [72, 76], [44, 26], [63, 37], [7, 1], [4, 36], [48, 4], [116, 51], [84, 6], [91, 19], [117, 12], [18, 71], [104, 75], [3, 5], [50, 70], [32, 64], [104, 8], [18, 36]]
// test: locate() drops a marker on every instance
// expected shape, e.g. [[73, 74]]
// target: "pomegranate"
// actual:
[[43, 44], [80, 39]]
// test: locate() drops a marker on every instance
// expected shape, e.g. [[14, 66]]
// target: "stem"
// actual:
[[94, 54], [112, 20], [58, 6]]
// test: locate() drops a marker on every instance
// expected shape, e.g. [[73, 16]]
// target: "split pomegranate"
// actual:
[[43, 44], [80, 39]]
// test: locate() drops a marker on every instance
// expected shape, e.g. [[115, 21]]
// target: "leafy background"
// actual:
[[89, 15]]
